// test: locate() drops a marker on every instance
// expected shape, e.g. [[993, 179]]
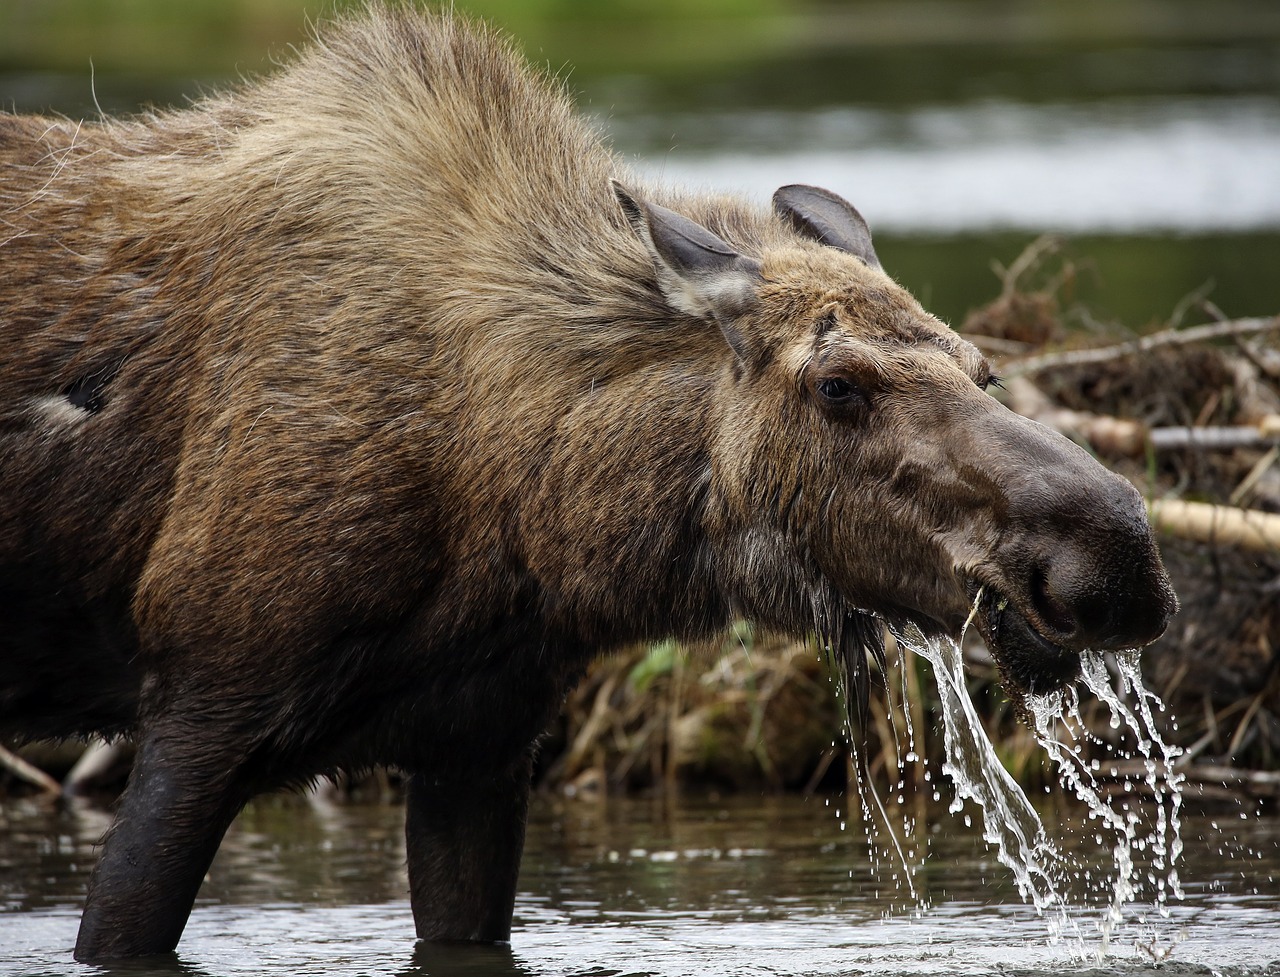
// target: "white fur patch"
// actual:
[[703, 296], [60, 412]]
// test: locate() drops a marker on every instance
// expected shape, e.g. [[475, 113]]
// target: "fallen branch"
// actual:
[[32, 774], [1123, 437], [1253, 783], [1219, 525], [1266, 432], [1167, 337], [1110, 436]]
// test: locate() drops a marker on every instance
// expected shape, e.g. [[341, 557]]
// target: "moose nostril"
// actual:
[[1054, 612]]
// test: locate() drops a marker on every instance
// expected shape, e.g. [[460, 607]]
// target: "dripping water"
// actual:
[[1046, 871], [1011, 825], [1153, 828]]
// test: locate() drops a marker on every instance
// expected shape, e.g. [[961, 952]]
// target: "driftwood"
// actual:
[[1204, 780], [28, 772], [1167, 337], [1219, 525]]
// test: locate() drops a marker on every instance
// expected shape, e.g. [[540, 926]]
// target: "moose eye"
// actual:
[[838, 390]]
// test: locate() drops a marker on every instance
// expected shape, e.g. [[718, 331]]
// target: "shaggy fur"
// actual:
[[345, 417]]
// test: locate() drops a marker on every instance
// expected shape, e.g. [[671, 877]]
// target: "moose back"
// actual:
[[345, 417]]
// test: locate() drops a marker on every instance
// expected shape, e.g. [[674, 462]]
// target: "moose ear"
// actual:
[[699, 273], [826, 218]]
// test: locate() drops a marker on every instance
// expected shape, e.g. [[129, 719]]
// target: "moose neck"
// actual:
[[618, 508]]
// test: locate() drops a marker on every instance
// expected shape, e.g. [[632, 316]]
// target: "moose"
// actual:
[[346, 416]]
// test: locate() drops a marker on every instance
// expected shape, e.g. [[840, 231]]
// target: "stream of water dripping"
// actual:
[[1144, 836], [1153, 827]]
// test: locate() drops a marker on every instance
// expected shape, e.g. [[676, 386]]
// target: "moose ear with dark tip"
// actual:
[[826, 218], [698, 272]]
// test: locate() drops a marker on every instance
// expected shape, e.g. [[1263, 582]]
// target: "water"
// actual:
[[1088, 908], [773, 886], [763, 886], [1063, 733], [1070, 168], [1010, 825], [753, 886]]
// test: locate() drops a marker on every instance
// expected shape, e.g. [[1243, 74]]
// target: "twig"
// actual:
[[1032, 254], [1247, 484], [28, 772], [1243, 726], [1196, 297], [820, 771], [1167, 337], [590, 730]]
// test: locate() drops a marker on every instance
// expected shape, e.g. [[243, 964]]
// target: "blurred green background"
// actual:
[[1147, 132]]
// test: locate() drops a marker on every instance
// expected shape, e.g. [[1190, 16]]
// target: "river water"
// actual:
[[702, 886]]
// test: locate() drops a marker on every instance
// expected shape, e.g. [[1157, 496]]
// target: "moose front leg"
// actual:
[[172, 816], [464, 839]]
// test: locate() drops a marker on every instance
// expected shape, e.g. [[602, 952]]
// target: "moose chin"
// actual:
[[345, 417]]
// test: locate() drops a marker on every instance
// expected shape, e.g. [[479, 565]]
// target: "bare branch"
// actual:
[[28, 772], [1220, 525], [1167, 337], [1265, 432]]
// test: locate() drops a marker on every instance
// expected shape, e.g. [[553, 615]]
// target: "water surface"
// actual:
[[744, 886]]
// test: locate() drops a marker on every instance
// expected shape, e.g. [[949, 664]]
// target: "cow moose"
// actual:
[[346, 416]]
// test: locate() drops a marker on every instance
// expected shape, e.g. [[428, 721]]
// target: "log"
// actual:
[[1120, 437], [1110, 436], [1265, 432], [1219, 525], [1252, 783]]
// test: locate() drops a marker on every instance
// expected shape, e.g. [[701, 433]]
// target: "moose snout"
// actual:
[[1103, 585], [1086, 569], [1091, 606]]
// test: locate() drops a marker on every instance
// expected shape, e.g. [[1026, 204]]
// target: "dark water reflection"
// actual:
[[756, 886]]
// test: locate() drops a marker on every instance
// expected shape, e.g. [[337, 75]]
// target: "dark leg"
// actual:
[[172, 816], [464, 841]]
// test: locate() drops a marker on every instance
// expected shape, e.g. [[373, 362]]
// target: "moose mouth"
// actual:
[[1029, 663]]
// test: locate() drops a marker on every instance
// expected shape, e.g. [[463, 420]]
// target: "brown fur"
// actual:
[[345, 417]]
